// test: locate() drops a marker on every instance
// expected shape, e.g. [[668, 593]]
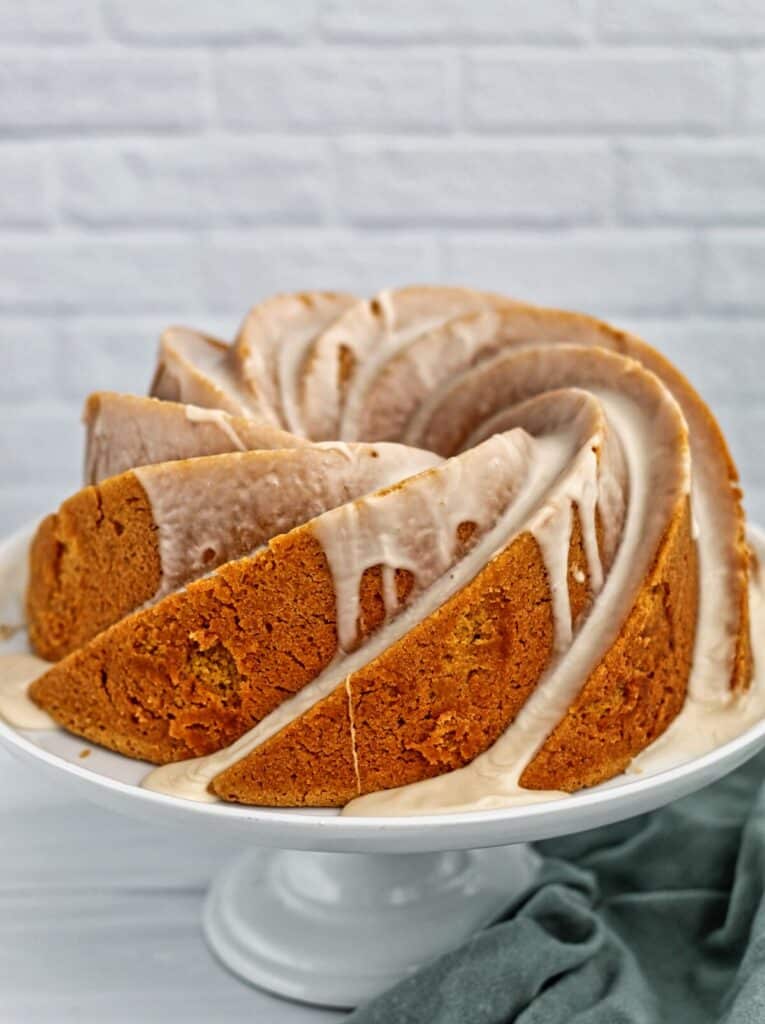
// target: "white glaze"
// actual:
[[386, 399], [194, 369], [18, 668], [17, 672], [209, 511], [290, 361], [416, 530], [292, 352], [392, 343], [377, 327], [195, 414], [272, 342], [552, 531], [125, 431]]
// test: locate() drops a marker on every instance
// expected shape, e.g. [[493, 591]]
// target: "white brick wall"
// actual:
[[176, 160], [598, 91]]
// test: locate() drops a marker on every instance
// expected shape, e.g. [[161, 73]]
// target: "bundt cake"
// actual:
[[436, 549]]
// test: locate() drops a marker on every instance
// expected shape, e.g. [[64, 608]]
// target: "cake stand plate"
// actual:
[[376, 898]]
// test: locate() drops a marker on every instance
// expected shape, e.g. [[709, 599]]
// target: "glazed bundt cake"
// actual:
[[437, 540]]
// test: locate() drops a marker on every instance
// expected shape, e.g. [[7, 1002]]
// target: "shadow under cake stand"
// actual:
[[332, 910]]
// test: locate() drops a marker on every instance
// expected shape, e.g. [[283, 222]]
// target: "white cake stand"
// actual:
[[377, 897]]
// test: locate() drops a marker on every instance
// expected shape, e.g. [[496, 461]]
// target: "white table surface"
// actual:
[[99, 919]]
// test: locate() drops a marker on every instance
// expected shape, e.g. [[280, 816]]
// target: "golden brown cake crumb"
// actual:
[[93, 562]]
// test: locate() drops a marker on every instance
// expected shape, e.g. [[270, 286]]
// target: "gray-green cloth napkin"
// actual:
[[658, 919]]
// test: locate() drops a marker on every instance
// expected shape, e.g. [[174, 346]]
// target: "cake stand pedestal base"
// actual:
[[336, 929]]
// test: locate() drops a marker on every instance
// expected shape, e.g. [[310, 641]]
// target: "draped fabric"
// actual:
[[658, 919]]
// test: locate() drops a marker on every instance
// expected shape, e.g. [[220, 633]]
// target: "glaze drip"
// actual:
[[417, 532], [17, 672], [196, 415], [209, 511]]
